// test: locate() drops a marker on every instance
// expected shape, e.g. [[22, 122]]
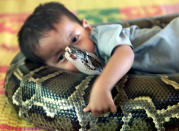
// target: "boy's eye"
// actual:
[[75, 39], [60, 58]]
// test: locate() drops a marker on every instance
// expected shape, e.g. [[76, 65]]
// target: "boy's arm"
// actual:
[[118, 65]]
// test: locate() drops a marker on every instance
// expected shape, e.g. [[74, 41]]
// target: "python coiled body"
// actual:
[[54, 99]]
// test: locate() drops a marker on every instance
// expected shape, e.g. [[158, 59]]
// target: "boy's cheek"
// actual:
[[72, 68], [89, 46], [68, 66]]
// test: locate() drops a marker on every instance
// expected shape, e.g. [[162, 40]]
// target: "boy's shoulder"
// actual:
[[108, 25], [106, 28]]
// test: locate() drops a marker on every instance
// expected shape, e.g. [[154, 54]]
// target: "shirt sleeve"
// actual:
[[107, 37]]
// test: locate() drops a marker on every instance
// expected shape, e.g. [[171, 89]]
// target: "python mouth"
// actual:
[[69, 52]]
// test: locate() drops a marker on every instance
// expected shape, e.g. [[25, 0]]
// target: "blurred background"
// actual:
[[14, 12]]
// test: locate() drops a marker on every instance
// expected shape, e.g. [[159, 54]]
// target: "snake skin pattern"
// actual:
[[54, 99]]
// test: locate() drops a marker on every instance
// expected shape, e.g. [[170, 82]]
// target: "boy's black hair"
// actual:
[[41, 20]]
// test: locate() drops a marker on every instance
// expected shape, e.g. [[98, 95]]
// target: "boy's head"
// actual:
[[48, 30]]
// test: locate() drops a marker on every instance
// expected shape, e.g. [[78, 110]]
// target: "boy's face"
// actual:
[[51, 46]]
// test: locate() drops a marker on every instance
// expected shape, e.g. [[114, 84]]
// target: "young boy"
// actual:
[[52, 27]]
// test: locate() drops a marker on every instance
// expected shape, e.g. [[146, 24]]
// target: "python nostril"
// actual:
[[73, 56]]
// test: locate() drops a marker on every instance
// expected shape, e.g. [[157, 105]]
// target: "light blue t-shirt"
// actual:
[[156, 49]]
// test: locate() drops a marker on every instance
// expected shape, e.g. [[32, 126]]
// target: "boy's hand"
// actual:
[[118, 65], [101, 101]]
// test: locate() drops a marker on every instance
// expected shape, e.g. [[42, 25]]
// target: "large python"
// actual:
[[54, 99]]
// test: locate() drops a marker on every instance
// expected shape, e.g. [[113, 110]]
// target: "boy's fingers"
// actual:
[[86, 109], [95, 113], [113, 108]]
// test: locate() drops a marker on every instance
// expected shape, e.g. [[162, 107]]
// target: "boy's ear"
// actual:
[[86, 25]]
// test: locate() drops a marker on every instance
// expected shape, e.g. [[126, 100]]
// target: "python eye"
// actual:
[[86, 60]]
